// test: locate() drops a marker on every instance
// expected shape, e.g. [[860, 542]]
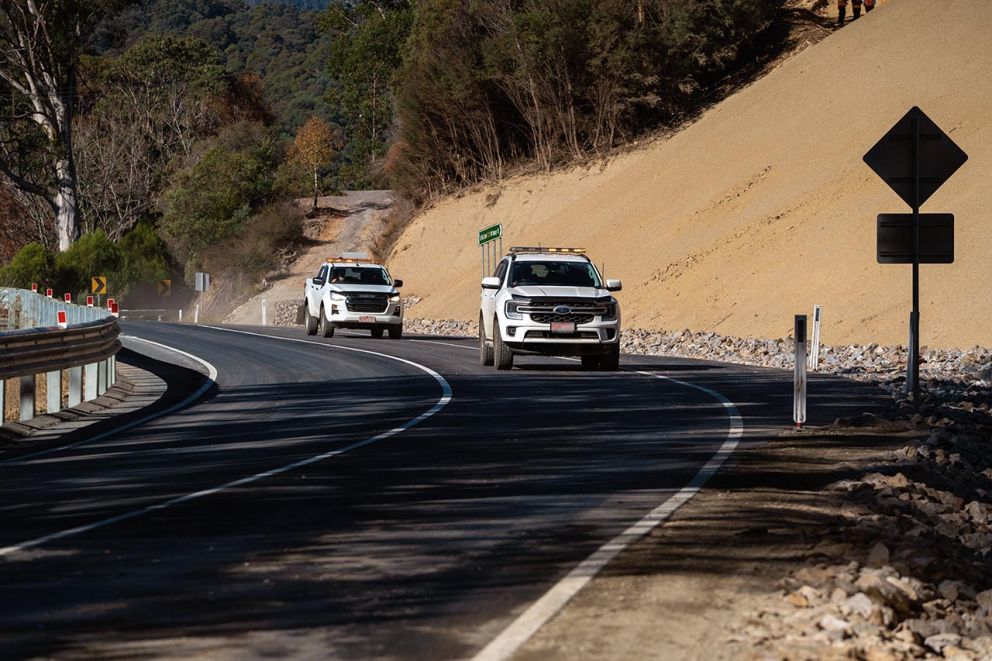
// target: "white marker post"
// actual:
[[799, 394], [814, 352], [263, 313], [196, 314]]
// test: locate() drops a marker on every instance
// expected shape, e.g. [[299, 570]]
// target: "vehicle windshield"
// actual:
[[553, 274], [359, 275]]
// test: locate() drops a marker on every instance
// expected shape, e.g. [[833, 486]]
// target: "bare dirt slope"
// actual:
[[352, 222], [763, 207]]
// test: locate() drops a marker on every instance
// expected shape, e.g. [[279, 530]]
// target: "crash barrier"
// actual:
[[53, 354], [152, 314]]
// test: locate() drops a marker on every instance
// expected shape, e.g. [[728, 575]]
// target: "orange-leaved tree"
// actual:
[[314, 148]]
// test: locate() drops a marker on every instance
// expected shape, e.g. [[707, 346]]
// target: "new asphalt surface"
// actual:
[[352, 497]]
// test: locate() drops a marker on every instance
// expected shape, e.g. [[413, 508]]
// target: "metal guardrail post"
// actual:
[[3, 402], [54, 391], [75, 386], [89, 382], [27, 398], [101, 377]]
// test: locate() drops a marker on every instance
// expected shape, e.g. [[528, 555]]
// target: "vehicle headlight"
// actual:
[[511, 310], [337, 297], [395, 298], [611, 311]]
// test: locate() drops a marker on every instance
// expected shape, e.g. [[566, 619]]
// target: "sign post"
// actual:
[[799, 376], [202, 282], [491, 244], [915, 158]]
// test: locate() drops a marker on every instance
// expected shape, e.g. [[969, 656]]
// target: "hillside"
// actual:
[[763, 207]]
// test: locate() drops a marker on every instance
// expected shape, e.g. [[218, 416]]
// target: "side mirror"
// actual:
[[491, 282], [397, 283], [318, 281], [614, 285]]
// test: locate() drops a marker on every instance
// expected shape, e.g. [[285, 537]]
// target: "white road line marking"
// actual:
[[440, 404], [211, 380], [542, 610], [551, 602]]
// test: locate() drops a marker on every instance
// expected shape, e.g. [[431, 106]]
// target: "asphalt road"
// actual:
[[323, 502]]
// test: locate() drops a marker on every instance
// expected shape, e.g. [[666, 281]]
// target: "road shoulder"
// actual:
[[692, 588]]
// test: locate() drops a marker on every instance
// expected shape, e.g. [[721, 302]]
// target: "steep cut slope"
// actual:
[[763, 207]]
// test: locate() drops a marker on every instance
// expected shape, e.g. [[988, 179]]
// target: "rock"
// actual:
[[950, 590], [834, 625], [984, 600], [878, 556], [978, 512], [832, 549], [939, 641], [882, 592], [858, 603], [797, 600]]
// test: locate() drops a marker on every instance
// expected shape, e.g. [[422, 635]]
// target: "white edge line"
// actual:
[[551, 602], [211, 380], [440, 404]]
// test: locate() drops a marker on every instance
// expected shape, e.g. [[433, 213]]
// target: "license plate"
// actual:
[[367, 320], [563, 327]]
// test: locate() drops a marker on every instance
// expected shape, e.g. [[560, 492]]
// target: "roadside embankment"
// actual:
[[763, 207]]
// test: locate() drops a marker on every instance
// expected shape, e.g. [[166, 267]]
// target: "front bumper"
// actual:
[[340, 316], [596, 336]]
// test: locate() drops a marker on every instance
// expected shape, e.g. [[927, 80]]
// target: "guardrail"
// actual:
[[45, 368]]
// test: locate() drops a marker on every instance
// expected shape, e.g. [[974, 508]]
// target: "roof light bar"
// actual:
[[345, 259], [538, 249]]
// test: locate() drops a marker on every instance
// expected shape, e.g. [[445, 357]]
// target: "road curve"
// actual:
[[328, 524]]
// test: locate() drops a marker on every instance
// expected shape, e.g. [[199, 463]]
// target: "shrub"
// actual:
[[31, 264], [91, 255], [260, 246]]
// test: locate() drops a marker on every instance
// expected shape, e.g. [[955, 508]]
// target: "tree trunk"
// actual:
[[65, 203], [315, 190]]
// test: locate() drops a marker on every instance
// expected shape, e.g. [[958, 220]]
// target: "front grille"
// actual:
[[367, 302], [547, 318], [548, 335]]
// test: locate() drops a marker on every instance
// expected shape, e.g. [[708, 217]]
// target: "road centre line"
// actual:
[[440, 404], [211, 380], [551, 602]]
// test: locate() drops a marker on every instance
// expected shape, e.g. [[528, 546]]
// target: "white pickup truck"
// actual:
[[549, 301], [352, 293]]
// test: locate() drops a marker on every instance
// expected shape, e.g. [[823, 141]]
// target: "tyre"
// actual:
[[395, 332], [309, 321], [485, 349], [326, 329], [502, 355], [377, 333], [590, 362], [611, 361]]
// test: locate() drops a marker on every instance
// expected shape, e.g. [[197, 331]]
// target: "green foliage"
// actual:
[[146, 258], [365, 52], [92, 254], [484, 84], [212, 197], [278, 42], [32, 263]]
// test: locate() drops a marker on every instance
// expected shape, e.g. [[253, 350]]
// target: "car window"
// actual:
[[501, 270], [322, 272], [360, 275], [553, 274]]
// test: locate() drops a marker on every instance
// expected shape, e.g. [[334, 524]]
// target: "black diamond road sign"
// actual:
[[892, 157]]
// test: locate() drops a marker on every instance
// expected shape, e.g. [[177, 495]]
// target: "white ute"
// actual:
[[549, 301], [352, 293]]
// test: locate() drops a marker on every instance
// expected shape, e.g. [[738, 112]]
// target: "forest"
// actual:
[[173, 139]]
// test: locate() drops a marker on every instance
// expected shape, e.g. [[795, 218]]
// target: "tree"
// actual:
[[40, 45], [313, 149], [366, 50]]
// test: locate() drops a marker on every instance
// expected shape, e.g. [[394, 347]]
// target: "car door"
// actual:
[[314, 288], [489, 298]]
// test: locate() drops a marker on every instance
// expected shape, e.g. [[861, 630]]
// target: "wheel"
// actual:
[[309, 321], [395, 332], [326, 329], [611, 361], [377, 332], [485, 349], [590, 362], [502, 355]]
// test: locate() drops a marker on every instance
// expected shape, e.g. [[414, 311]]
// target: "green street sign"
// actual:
[[490, 234]]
